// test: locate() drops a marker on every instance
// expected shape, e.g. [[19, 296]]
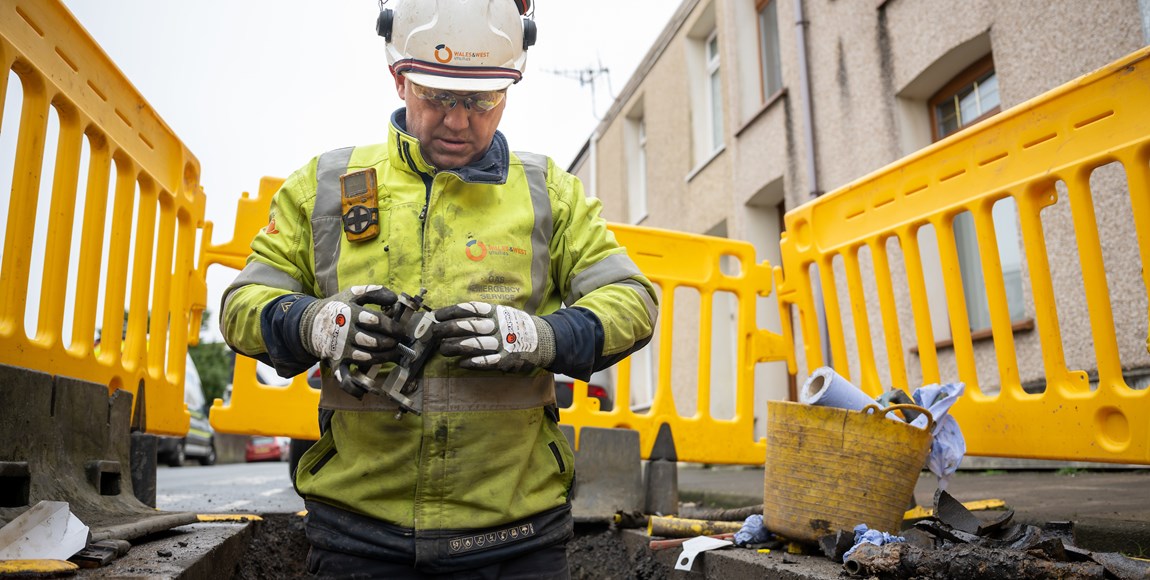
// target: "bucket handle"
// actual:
[[869, 409]]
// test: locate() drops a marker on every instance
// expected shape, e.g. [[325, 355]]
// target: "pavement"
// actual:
[[1110, 510]]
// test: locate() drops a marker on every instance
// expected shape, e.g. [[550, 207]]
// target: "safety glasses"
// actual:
[[482, 101]]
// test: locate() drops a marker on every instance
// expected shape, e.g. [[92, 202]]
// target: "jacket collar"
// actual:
[[489, 169]]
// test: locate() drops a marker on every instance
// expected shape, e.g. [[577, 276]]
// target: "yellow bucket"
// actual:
[[830, 469]]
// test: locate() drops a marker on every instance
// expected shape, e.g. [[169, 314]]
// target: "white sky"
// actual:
[[257, 87]]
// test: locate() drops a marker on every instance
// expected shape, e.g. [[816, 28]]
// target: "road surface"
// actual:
[[258, 488]]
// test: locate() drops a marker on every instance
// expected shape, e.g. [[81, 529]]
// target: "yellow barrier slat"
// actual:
[[867, 370], [996, 294], [834, 316], [924, 331], [889, 313]]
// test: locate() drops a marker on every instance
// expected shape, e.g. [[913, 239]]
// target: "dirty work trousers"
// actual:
[[549, 563]]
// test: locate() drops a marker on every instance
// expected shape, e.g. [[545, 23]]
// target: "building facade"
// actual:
[[744, 109]]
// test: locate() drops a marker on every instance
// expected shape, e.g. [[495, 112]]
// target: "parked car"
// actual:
[[199, 443], [260, 448], [599, 387]]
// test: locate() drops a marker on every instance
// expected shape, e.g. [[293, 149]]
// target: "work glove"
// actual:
[[490, 337], [340, 328]]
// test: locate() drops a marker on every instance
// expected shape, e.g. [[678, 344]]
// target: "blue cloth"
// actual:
[[752, 531], [949, 446], [865, 535]]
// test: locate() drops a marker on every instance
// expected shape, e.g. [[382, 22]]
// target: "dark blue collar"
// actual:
[[490, 169]]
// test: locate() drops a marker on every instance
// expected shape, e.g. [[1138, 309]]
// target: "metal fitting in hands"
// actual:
[[416, 346]]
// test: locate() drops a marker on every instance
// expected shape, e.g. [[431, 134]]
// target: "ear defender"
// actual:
[[383, 23], [529, 33], [524, 6]]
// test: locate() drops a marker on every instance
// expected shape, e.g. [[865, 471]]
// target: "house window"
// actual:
[[637, 168], [970, 97], [714, 91], [967, 99], [769, 47]]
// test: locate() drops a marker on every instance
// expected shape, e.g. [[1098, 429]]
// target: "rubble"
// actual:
[[958, 544], [891, 561]]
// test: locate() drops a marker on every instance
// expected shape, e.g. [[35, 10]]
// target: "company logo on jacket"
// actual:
[[476, 250]]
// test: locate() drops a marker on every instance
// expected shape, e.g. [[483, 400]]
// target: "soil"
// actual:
[[601, 553], [279, 550]]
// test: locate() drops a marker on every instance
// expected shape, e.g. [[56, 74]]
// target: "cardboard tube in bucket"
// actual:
[[826, 388]]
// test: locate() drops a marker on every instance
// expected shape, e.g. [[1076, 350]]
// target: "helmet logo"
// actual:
[[443, 59]]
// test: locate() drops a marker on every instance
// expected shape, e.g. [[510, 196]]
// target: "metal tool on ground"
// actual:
[[656, 545], [416, 345]]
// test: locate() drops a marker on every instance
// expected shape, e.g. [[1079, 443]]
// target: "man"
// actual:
[[480, 480]]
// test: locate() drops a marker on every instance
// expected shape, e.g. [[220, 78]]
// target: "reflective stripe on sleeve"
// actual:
[[648, 301], [258, 273], [261, 273], [326, 224], [535, 167], [610, 270]]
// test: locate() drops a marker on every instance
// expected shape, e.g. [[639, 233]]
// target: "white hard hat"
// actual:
[[458, 45]]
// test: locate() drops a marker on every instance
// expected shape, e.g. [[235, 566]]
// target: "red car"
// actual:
[[263, 449], [599, 387]]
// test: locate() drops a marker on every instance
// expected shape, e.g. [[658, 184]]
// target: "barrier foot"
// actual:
[[608, 473]]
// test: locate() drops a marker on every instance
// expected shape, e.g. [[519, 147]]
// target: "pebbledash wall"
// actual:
[[703, 140]]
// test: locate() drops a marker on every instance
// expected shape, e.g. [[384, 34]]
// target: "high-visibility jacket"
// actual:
[[511, 229]]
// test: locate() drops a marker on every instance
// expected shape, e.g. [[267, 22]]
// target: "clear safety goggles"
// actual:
[[482, 101]]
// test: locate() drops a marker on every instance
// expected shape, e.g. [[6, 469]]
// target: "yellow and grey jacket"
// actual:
[[511, 229]]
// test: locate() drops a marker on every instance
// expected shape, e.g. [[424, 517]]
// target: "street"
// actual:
[[258, 488]]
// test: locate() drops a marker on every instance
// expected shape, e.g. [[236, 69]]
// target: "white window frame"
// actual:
[[770, 60], [636, 151], [714, 84]]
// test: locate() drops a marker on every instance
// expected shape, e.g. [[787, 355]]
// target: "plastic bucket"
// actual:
[[830, 469]]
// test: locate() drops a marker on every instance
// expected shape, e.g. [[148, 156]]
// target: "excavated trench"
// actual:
[[278, 549]]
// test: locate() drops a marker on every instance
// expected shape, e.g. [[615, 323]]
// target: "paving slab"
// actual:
[[206, 551]]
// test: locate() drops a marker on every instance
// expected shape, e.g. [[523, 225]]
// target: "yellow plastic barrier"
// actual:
[[675, 260], [1062, 135], [154, 210], [671, 260], [255, 408]]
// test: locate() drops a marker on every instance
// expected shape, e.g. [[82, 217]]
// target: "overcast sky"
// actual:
[[258, 87]]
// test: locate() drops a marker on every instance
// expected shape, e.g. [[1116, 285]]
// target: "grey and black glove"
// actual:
[[490, 337], [340, 328]]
